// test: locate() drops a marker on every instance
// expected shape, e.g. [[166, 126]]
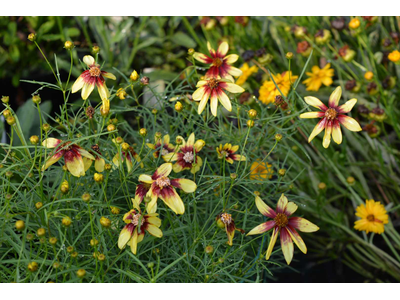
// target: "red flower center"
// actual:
[[331, 114], [217, 62], [94, 71], [212, 83], [163, 181], [281, 220], [226, 218], [371, 218]]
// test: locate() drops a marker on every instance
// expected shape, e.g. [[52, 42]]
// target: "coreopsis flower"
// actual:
[[92, 77], [283, 223], [268, 90], [187, 157], [332, 117], [161, 186], [394, 56], [162, 146], [261, 170], [137, 225], [73, 156], [227, 152], [373, 217], [127, 155], [318, 77], [226, 221], [247, 72], [220, 62], [213, 87]]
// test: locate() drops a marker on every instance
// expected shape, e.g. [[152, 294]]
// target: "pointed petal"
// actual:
[[170, 157], [317, 129], [231, 87], [214, 103], [233, 71], [264, 208], [287, 245], [99, 164], [153, 221], [125, 235], [201, 83], [290, 208], [172, 200], [163, 170], [202, 58], [203, 101], [190, 141], [303, 224], [87, 89], [145, 178], [154, 230], [272, 242], [187, 185], [315, 102], [297, 239], [349, 123], [335, 97], [336, 132], [230, 59], [103, 91], [78, 84], [264, 227], [199, 93], [51, 143], [53, 159], [74, 163], [88, 60], [327, 137], [84, 153], [312, 115], [134, 241], [347, 107], [282, 203], [224, 99], [108, 75], [211, 50], [222, 49], [199, 145]]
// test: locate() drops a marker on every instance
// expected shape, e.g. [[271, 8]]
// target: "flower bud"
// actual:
[[252, 113], [125, 146], [299, 31], [322, 36], [95, 50], [179, 140], [20, 225], [115, 210], [38, 205], [134, 76], [220, 224], [74, 254], [107, 167], [81, 273], [70, 249], [6, 113], [121, 94], [191, 51], [322, 185], [354, 23], [98, 177], [105, 108], [36, 99], [9, 174], [46, 127], [289, 55], [154, 111], [350, 180], [178, 106], [64, 187], [41, 232], [265, 59], [119, 140], [90, 112], [33, 266], [150, 265], [56, 265], [304, 48], [143, 132], [34, 139], [282, 172], [111, 127], [250, 123], [278, 137], [233, 175], [5, 99], [94, 242], [394, 56], [105, 222], [32, 37], [209, 249], [86, 197], [69, 45], [66, 221], [53, 240], [11, 120], [30, 237], [101, 257]]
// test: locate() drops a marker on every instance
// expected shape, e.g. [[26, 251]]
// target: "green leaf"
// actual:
[[73, 32], [51, 37], [14, 53], [46, 27], [182, 39]]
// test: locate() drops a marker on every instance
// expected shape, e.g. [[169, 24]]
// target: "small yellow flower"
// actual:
[[121, 94], [354, 23], [227, 152], [247, 71], [369, 75], [261, 170], [268, 90], [373, 217], [318, 77], [394, 56]]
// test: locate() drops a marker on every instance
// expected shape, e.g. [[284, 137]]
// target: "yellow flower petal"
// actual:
[[88, 60], [264, 209], [315, 102], [335, 97], [230, 59], [198, 94], [214, 103], [347, 107], [109, 75], [78, 84], [224, 99], [154, 231], [317, 129], [297, 239], [223, 49], [264, 227], [172, 200], [187, 185], [51, 143], [337, 133], [349, 123], [312, 115], [272, 242], [134, 241], [124, 236], [327, 137], [287, 246], [163, 170], [303, 224], [282, 203]]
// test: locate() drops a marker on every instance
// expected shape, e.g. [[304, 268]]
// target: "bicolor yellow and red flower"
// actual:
[[220, 62], [214, 88], [331, 117], [73, 156], [226, 221], [161, 186], [92, 77], [282, 223], [137, 225], [227, 152], [162, 146], [373, 217], [187, 157], [127, 156]]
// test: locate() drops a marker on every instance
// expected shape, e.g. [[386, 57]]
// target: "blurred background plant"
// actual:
[[328, 184]]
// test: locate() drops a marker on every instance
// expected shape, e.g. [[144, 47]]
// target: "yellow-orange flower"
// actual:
[[261, 170], [268, 90], [247, 72], [394, 56], [318, 76], [373, 217]]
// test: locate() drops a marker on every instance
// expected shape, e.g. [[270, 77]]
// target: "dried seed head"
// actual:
[[144, 80], [90, 112]]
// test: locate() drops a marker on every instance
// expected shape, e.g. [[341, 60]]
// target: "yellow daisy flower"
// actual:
[[318, 77], [247, 71], [268, 90], [373, 217], [261, 170]]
